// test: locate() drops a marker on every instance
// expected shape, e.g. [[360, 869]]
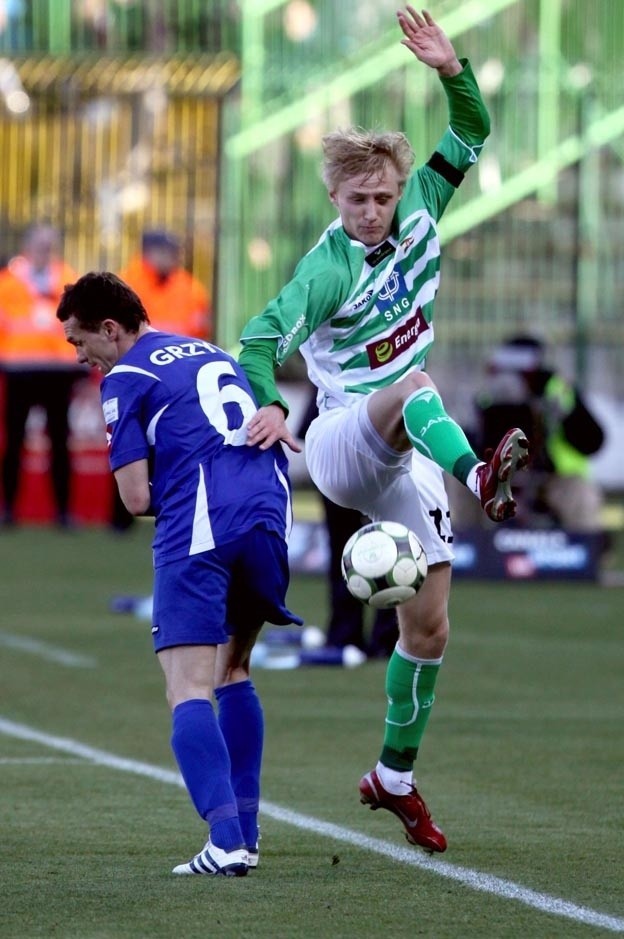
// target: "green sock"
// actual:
[[436, 435], [409, 689]]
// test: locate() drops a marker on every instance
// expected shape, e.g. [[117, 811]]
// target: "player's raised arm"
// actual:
[[468, 116], [428, 42]]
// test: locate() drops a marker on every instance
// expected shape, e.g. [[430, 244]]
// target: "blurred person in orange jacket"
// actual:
[[175, 301], [37, 366]]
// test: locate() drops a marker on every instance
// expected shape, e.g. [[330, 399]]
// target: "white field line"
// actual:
[[47, 651], [38, 761], [475, 880]]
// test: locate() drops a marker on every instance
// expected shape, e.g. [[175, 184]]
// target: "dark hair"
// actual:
[[100, 296]]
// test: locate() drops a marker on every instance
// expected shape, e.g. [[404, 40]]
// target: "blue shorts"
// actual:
[[235, 588]]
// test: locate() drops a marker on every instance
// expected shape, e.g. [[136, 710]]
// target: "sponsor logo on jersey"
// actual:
[[386, 350], [111, 410], [361, 301], [380, 254], [390, 288], [288, 338], [383, 352], [407, 243], [397, 297]]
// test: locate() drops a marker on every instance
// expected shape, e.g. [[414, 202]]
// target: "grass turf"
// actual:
[[521, 766]]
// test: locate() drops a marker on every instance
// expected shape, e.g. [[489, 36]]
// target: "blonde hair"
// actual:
[[356, 152]]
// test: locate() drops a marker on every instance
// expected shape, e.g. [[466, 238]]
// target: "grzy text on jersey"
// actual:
[[169, 354]]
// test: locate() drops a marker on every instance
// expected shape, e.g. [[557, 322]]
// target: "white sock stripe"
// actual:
[[426, 389], [412, 658]]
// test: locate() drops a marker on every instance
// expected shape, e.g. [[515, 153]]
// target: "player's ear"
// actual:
[[332, 197], [110, 328]]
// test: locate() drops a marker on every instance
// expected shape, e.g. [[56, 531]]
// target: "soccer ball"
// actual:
[[384, 564]]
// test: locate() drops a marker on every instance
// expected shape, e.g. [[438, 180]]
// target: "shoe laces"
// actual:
[[413, 792]]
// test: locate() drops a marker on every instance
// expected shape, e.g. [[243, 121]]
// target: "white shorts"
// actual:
[[353, 466]]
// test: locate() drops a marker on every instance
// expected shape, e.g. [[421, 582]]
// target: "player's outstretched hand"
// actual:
[[268, 426], [428, 42]]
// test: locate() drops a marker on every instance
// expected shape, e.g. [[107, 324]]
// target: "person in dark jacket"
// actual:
[[521, 385]]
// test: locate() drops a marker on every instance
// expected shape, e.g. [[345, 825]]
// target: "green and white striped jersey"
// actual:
[[363, 317]]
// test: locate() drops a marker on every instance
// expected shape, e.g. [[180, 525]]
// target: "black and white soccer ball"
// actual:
[[384, 564]]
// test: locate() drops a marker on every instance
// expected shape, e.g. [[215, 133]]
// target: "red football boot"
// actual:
[[495, 476], [410, 809]]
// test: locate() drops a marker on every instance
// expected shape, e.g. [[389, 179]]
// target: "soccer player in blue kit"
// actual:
[[176, 411]]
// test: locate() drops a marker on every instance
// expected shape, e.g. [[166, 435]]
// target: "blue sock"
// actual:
[[202, 756], [242, 724]]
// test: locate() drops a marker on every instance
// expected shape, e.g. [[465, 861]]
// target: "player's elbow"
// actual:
[[136, 503]]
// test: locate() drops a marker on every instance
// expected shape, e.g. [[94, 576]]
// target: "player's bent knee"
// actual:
[[414, 382], [432, 629]]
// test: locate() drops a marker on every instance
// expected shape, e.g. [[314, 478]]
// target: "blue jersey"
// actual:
[[183, 405]]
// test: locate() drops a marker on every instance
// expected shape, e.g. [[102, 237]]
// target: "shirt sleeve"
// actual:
[[316, 291], [257, 358], [468, 115], [121, 405], [434, 183]]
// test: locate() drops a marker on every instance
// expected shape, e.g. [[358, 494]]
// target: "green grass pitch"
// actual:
[[521, 765]]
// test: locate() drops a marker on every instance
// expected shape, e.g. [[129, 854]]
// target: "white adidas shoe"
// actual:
[[253, 855], [213, 860]]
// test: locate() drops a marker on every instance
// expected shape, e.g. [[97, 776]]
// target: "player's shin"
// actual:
[[242, 723], [202, 756], [410, 684], [436, 435]]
